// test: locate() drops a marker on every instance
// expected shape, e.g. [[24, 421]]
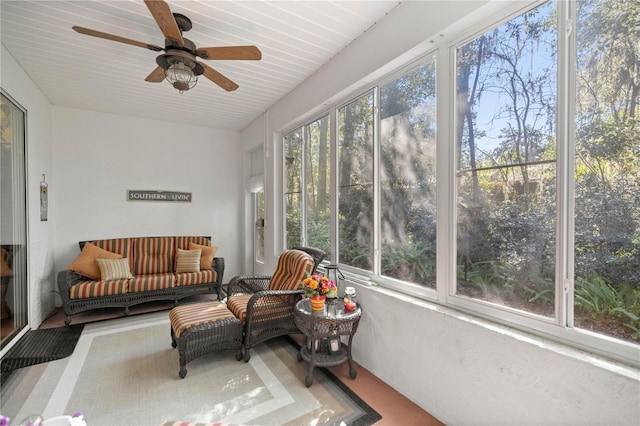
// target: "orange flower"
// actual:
[[318, 285]]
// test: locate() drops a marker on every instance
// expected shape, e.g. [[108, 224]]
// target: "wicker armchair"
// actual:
[[264, 304], [317, 254]]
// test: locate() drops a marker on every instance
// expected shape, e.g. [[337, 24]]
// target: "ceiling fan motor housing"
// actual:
[[178, 56]]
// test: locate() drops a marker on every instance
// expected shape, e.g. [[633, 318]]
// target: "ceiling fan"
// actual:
[[178, 63]]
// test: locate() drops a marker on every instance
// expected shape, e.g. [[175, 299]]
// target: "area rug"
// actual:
[[125, 372], [38, 346]]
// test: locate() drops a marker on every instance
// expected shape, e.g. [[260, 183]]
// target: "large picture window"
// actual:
[[408, 177], [355, 181], [535, 161], [293, 187], [607, 172], [307, 177], [506, 142]]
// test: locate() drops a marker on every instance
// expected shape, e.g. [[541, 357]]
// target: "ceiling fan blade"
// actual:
[[156, 76], [100, 34], [231, 52], [218, 78], [167, 23]]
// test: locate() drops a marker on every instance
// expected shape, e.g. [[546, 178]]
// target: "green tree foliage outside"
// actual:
[[507, 179], [607, 225], [507, 171]]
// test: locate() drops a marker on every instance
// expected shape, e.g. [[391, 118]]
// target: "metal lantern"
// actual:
[[334, 274]]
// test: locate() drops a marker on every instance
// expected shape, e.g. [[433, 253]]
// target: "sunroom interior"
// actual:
[[444, 160]]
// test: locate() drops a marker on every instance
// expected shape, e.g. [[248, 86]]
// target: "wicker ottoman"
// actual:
[[200, 328]]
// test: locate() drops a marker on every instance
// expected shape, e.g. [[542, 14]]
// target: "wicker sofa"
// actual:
[[123, 272]]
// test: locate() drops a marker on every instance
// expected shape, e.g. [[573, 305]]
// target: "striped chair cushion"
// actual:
[[293, 267], [153, 255], [152, 282], [238, 306], [187, 316], [276, 310], [87, 289], [192, 278]]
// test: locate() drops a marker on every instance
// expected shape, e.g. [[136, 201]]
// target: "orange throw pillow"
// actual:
[[208, 253], [85, 264]]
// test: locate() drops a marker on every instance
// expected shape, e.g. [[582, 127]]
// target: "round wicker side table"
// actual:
[[322, 331]]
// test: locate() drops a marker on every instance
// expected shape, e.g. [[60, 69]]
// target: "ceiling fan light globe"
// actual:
[[180, 76]]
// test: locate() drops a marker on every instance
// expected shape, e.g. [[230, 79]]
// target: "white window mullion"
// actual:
[[445, 151], [334, 159], [376, 182], [303, 186], [565, 154]]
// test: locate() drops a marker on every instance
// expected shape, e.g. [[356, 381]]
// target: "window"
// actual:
[[538, 170], [317, 173], [607, 172], [408, 177], [355, 181], [307, 166], [293, 187], [506, 174]]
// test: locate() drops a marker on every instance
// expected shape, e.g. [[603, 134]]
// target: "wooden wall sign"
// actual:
[[142, 195]]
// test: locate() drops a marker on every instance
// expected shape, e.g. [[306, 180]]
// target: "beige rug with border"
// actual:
[[125, 372]]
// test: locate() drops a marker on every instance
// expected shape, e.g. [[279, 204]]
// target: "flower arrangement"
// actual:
[[319, 285]]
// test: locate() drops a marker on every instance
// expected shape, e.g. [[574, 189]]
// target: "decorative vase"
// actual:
[[317, 303]]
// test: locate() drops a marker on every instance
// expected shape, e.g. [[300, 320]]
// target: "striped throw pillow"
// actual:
[[188, 260], [114, 269]]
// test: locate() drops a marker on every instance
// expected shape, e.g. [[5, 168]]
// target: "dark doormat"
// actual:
[[38, 346]]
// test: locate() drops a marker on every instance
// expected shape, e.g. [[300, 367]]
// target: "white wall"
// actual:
[[466, 371], [459, 368], [20, 87], [98, 157]]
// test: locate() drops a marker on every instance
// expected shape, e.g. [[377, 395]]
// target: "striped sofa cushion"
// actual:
[[184, 317], [191, 278], [87, 289], [123, 246], [153, 255], [293, 267], [183, 241], [152, 282], [117, 245]]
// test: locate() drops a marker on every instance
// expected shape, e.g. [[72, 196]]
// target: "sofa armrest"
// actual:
[[217, 264], [66, 279]]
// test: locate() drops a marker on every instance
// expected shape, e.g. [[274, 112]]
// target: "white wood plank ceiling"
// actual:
[[78, 71]]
